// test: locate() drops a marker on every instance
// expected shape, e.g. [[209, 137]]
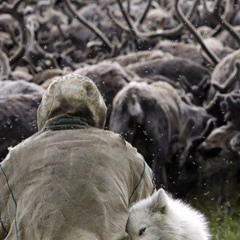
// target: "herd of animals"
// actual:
[[169, 72]]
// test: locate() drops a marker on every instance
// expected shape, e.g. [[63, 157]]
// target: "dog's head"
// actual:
[[149, 219], [160, 217]]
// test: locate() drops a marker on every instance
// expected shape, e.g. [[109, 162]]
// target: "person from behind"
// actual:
[[71, 180]]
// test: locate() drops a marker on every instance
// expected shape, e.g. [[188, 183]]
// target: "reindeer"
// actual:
[[171, 68], [8, 87], [18, 113], [218, 154], [151, 117], [225, 76]]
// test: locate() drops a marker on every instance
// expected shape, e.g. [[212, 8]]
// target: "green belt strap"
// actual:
[[139, 183], [14, 200]]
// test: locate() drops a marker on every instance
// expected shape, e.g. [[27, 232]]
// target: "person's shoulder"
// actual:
[[114, 135], [105, 132], [128, 146]]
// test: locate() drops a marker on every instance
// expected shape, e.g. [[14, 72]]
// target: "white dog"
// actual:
[[161, 217]]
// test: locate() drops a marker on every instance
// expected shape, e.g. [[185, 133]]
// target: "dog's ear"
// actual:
[[159, 202]]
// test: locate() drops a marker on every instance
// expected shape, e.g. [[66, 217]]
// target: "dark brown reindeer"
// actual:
[[193, 51], [19, 101], [171, 68], [225, 76], [218, 154], [18, 114], [224, 80], [9, 87], [151, 116], [141, 56]]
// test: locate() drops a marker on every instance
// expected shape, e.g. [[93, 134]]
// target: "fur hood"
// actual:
[[72, 95]]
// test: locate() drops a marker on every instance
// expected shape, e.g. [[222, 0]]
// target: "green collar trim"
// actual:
[[66, 123]]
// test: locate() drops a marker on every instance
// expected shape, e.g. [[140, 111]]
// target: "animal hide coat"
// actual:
[[71, 184]]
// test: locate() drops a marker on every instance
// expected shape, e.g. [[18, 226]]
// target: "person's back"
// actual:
[[70, 180]]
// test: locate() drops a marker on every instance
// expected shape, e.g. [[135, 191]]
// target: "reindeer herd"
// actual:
[[169, 72]]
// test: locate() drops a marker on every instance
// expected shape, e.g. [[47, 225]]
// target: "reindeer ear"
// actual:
[[159, 202]]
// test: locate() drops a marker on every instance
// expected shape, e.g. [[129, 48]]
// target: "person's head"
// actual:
[[72, 95]]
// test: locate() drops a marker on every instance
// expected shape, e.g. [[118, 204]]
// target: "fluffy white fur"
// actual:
[[160, 217]]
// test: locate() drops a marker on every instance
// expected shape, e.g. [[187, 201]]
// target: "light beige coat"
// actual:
[[72, 183]]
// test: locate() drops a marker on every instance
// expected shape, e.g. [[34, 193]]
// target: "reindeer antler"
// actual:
[[195, 142], [235, 75], [223, 22], [145, 12], [193, 30], [199, 90], [106, 43], [148, 36]]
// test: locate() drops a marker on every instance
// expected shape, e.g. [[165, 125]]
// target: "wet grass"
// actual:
[[223, 220], [224, 227]]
